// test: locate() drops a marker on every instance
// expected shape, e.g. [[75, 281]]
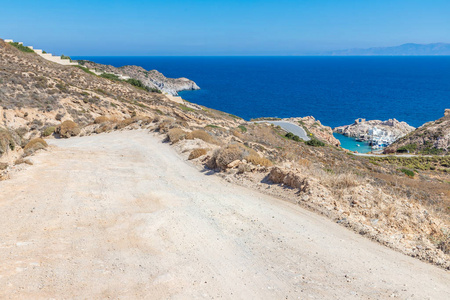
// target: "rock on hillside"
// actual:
[[152, 78], [430, 138], [322, 132], [361, 127]]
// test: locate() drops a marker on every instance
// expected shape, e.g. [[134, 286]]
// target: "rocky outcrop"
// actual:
[[314, 127], [322, 132], [363, 129], [153, 79], [430, 138]]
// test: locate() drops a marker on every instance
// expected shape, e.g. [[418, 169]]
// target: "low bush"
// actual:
[[124, 123], [315, 143], [185, 108], [48, 131], [67, 129], [407, 172], [34, 145], [292, 136], [407, 148], [242, 128], [342, 181], [22, 47], [196, 153], [225, 155], [202, 135], [110, 76], [101, 119], [176, 134], [23, 161], [104, 127], [66, 57], [6, 141], [137, 83], [257, 160], [86, 70]]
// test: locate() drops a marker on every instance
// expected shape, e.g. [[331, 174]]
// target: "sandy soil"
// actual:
[[122, 215]]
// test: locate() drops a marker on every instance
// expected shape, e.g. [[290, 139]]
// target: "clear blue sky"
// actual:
[[210, 27]]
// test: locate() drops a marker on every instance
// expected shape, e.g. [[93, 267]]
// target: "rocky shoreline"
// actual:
[[376, 132]]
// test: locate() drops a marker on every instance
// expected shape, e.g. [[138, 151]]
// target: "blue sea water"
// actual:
[[353, 145], [335, 90]]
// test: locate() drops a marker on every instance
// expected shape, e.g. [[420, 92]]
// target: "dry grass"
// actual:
[[202, 135], [124, 123], [225, 155], [6, 141], [23, 161], [176, 134], [101, 119], [104, 128], [343, 181], [165, 125], [34, 145], [196, 153], [67, 129], [257, 160], [304, 162]]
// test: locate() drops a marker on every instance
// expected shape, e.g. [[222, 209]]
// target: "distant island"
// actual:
[[409, 49]]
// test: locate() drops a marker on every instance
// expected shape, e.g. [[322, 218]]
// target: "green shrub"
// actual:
[[432, 151], [65, 57], [137, 83], [22, 47], [407, 148], [48, 131], [109, 76], [407, 172], [296, 138], [242, 128], [185, 108], [235, 117], [315, 143], [86, 70]]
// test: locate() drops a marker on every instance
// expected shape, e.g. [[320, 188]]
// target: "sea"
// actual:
[[335, 90]]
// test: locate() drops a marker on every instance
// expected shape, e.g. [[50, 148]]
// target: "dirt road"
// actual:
[[122, 215]]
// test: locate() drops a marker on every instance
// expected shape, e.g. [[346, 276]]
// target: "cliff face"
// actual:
[[152, 78], [361, 128], [430, 138]]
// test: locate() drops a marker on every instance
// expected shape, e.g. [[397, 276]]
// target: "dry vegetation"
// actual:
[[196, 153], [176, 134], [202, 135], [101, 119], [34, 145], [67, 129], [370, 196]]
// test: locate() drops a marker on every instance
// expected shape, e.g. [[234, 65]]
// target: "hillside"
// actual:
[[430, 138], [405, 210], [410, 49]]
